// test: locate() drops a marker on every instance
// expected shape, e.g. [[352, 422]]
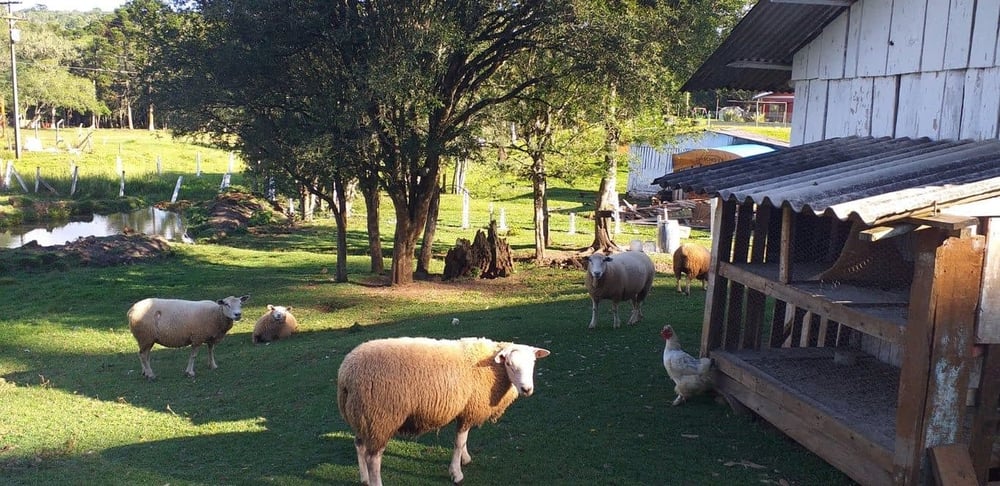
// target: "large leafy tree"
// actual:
[[391, 88], [426, 65]]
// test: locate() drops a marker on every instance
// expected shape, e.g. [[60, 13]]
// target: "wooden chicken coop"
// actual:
[[854, 300]]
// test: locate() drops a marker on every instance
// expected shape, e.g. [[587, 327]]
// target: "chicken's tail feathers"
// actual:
[[704, 365]]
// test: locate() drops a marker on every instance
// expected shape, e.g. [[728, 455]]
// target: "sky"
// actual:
[[80, 5]]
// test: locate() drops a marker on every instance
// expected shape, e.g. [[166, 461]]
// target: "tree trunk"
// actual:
[[370, 191], [607, 198], [430, 226], [340, 215], [152, 125], [541, 215], [403, 248]]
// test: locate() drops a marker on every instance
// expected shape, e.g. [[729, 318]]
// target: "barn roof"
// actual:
[[757, 53], [874, 180]]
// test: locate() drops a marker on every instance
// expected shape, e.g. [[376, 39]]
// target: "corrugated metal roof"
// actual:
[[769, 34], [873, 180]]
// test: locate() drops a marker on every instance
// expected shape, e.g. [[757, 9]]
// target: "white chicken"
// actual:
[[691, 376]]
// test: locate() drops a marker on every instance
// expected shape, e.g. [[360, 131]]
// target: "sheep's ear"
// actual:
[[541, 353], [502, 355], [289, 308], [270, 307], [244, 298], [607, 259]]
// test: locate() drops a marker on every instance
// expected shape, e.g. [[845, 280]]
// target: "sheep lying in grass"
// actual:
[[277, 323], [692, 260], [175, 323], [414, 385], [624, 276]]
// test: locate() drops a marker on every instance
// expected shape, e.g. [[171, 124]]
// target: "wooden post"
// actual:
[[76, 177], [715, 303], [38, 177], [177, 189], [197, 165], [465, 209], [572, 223], [159, 165], [741, 254], [937, 359], [121, 190], [785, 260]]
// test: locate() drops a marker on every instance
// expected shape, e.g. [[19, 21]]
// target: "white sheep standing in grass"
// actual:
[[413, 385], [277, 323], [176, 323], [624, 276], [692, 260]]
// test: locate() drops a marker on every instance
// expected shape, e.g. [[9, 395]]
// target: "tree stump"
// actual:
[[492, 254], [488, 253], [458, 262]]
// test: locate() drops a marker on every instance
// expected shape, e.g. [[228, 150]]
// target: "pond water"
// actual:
[[151, 221]]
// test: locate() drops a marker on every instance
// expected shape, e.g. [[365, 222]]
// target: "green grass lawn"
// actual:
[[75, 409]]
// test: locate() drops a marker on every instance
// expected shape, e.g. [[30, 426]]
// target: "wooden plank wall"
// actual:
[[935, 72]]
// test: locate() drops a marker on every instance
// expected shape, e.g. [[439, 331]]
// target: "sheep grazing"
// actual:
[[691, 260], [177, 323], [277, 323], [413, 385], [624, 276]]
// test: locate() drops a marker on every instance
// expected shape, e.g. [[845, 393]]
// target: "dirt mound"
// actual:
[[94, 251]]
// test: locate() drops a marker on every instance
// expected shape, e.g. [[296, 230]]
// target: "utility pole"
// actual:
[[15, 37]]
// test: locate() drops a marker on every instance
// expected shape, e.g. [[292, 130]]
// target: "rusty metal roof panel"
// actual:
[[768, 35], [862, 178]]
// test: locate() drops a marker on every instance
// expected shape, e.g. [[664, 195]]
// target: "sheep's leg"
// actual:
[[614, 312], [593, 313], [374, 460], [147, 370], [679, 284], [636, 311], [460, 455], [194, 354], [211, 356], [364, 465]]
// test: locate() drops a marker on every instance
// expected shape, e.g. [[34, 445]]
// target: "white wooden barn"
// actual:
[[854, 292]]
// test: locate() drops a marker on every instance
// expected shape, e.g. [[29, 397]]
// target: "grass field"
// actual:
[[74, 408]]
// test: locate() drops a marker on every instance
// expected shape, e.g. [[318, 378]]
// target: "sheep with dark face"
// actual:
[[176, 323], [413, 385], [691, 260], [624, 276], [277, 323]]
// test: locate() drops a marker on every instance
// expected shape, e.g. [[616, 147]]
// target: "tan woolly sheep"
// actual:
[[624, 276], [414, 385], [692, 260], [175, 323], [277, 323]]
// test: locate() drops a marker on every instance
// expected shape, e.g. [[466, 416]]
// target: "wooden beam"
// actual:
[[934, 376], [952, 465], [988, 325], [785, 260], [983, 431], [860, 320], [885, 232], [947, 222], [724, 226]]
